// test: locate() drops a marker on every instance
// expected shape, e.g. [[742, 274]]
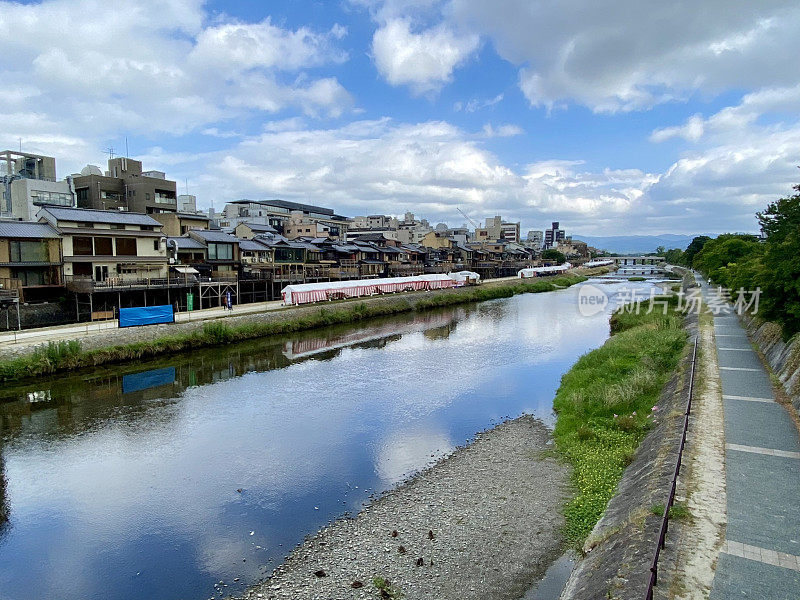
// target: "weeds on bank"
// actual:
[[676, 512], [63, 356], [606, 404], [386, 589]]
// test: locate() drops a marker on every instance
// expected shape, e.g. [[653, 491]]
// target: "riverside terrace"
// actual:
[[106, 260]]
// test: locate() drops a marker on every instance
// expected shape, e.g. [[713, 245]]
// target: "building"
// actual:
[[30, 259], [375, 222], [279, 213], [553, 236], [247, 231], [497, 229], [178, 223], [535, 239], [29, 182], [222, 251], [125, 187], [108, 248], [187, 203]]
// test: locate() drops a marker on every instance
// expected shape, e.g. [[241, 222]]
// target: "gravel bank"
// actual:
[[481, 523]]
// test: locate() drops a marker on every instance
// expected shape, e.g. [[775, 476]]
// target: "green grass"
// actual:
[[386, 589], [676, 512], [65, 356], [636, 278], [605, 407]]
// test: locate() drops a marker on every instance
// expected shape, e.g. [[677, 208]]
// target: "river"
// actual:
[[160, 479]]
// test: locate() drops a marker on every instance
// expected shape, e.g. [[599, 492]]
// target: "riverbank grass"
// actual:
[[606, 404], [64, 356]]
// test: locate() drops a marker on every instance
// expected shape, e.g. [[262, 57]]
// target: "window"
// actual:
[[126, 247], [82, 246], [29, 251], [164, 197], [40, 197], [155, 245], [102, 246], [112, 196], [147, 196], [220, 251], [31, 276]]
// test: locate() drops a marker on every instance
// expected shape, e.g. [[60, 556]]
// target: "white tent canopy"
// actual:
[[540, 271], [304, 293]]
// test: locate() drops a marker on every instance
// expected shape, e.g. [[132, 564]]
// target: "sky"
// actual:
[[613, 117]]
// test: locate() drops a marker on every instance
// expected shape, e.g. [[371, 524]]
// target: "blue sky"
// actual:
[[612, 117]]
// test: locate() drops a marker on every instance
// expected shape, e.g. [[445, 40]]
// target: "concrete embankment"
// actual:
[[782, 356], [482, 523]]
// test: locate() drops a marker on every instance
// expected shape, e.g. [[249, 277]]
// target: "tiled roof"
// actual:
[[86, 215], [26, 229], [186, 243], [210, 235]]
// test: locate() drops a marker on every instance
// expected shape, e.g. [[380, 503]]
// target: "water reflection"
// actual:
[[146, 480]]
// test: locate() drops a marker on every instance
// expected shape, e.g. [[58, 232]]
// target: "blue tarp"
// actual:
[[145, 315], [147, 379]]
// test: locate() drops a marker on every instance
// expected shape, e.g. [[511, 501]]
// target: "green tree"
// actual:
[[674, 256], [693, 248], [780, 277], [720, 258], [555, 256]]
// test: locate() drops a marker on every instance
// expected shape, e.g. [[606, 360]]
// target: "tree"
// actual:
[[555, 256], [693, 248], [780, 277], [674, 256]]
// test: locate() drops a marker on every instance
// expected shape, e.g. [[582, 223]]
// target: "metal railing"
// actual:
[[662, 534]]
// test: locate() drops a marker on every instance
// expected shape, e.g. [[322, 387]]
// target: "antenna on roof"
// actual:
[[127, 154], [186, 183], [110, 152], [20, 144]]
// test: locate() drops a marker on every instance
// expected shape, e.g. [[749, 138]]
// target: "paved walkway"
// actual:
[[760, 557]]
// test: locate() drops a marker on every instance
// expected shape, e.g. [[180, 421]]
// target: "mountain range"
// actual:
[[628, 244]]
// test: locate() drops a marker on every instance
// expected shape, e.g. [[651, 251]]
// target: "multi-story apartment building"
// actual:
[[497, 229], [554, 235], [29, 182], [535, 239], [108, 246], [125, 187]]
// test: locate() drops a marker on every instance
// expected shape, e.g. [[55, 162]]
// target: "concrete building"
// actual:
[[278, 213], [554, 235], [497, 229], [125, 187], [535, 239], [108, 247], [30, 259], [29, 182], [187, 203]]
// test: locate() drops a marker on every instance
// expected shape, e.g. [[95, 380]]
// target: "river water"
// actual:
[[159, 479]]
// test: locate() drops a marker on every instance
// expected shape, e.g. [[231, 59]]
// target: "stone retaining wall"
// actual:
[[782, 356]]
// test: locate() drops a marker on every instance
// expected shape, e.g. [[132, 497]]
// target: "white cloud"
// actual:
[[476, 105], [628, 55], [502, 130], [250, 45], [691, 131], [85, 70], [426, 60]]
